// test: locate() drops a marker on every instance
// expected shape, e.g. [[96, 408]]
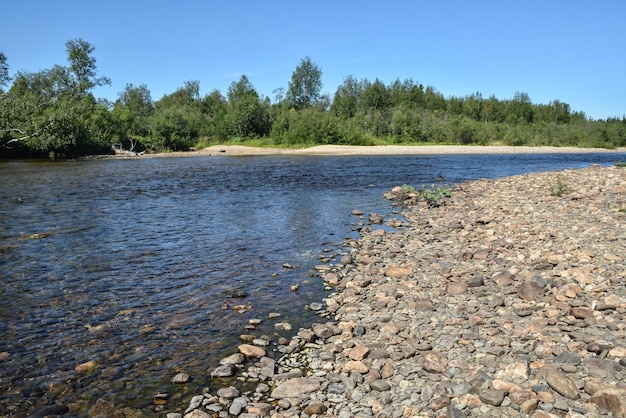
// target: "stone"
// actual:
[[315, 408], [180, 378], [294, 388], [86, 367], [434, 362], [456, 289], [582, 313], [323, 331], [561, 384], [195, 402], [492, 397], [236, 358], [528, 406], [260, 409], [228, 393], [225, 370], [612, 400], [358, 353], [251, 351], [380, 385], [355, 367], [398, 272], [197, 413], [530, 291]]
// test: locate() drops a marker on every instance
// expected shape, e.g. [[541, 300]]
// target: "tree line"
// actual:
[[54, 112]]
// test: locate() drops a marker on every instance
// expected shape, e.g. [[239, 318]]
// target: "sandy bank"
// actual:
[[239, 150]]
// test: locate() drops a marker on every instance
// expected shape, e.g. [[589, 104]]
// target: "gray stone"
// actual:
[[294, 388], [492, 397], [380, 385]]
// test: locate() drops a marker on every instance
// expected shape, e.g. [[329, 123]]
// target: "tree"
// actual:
[[4, 70], [82, 67], [250, 116], [374, 96], [132, 111], [345, 102], [305, 85]]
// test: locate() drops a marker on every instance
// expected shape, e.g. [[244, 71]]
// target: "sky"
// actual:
[[571, 51]]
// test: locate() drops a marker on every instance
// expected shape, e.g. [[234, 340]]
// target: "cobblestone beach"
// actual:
[[507, 300]]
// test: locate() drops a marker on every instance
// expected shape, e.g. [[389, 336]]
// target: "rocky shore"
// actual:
[[507, 300]]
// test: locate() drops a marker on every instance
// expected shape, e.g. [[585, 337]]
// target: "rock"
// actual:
[[398, 272], [251, 351], [358, 353], [582, 313], [236, 358], [197, 413], [195, 402], [492, 397], [294, 388], [86, 367], [180, 378], [228, 393], [561, 384], [380, 385], [612, 400], [260, 409], [237, 406], [323, 331], [456, 289], [530, 291], [315, 408], [225, 370], [434, 362], [355, 367]]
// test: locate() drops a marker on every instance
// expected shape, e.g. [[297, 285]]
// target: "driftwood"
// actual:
[[118, 149]]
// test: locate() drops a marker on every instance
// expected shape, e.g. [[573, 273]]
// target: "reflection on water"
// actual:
[[131, 263]]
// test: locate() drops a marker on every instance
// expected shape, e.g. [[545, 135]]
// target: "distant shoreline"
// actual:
[[339, 150]]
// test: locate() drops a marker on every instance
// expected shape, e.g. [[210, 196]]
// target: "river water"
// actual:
[[133, 263]]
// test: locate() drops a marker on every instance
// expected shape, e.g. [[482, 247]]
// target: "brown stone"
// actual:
[[434, 362], [561, 384], [355, 367], [530, 291], [456, 288], [251, 351], [260, 408], [398, 272], [358, 352], [582, 313], [315, 408], [612, 400], [439, 402]]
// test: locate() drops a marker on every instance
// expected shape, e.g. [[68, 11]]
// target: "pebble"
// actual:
[[503, 301]]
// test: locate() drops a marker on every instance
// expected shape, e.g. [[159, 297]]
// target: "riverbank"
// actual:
[[508, 300], [240, 150]]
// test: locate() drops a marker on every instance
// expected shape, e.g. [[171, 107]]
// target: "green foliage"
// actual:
[[435, 197], [4, 70], [53, 112], [559, 187], [305, 85]]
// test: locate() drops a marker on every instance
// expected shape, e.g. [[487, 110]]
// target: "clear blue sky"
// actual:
[[573, 51]]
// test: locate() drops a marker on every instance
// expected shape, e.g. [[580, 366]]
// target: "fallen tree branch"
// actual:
[[26, 136]]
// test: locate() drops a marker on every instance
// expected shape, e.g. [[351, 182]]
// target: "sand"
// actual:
[[239, 150]]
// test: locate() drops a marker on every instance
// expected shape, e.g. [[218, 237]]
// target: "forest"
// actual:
[[53, 113]]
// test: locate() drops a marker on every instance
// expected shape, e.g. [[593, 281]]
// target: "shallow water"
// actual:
[[130, 263]]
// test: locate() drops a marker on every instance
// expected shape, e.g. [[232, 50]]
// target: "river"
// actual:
[[133, 264]]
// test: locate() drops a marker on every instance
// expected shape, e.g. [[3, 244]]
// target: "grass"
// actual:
[[559, 187]]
